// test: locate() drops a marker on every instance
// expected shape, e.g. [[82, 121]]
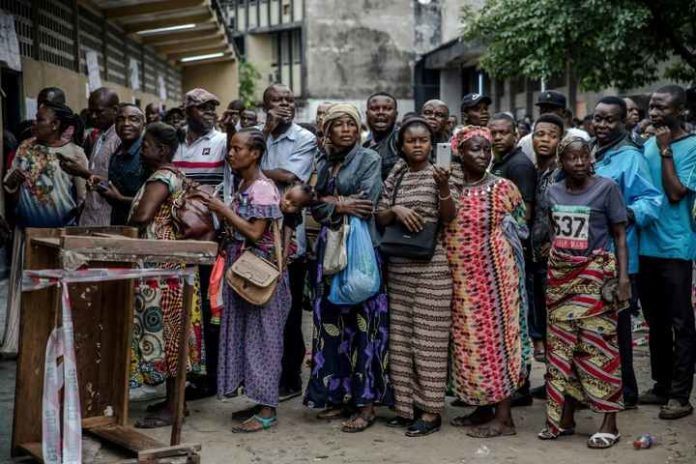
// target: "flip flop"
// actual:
[[601, 440], [547, 434], [490, 432], [266, 423], [368, 421]]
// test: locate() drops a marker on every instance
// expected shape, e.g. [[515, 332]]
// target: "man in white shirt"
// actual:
[[201, 156], [554, 102]]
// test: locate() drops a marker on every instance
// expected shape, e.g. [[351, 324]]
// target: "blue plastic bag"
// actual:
[[360, 279]]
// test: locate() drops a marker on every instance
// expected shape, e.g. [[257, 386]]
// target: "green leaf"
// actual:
[[362, 324], [331, 330]]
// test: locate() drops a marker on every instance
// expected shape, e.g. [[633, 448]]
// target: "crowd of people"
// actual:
[[524, 241]]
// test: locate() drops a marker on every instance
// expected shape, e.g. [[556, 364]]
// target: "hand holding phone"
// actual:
[[443, 156]]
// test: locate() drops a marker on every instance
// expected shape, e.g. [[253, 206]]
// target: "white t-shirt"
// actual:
[[203, 160]]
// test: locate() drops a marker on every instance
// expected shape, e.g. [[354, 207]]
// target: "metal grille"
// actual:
[[90, 38], [55, 28], [173, 80], [21, 10], [116, 59], [150, 72]]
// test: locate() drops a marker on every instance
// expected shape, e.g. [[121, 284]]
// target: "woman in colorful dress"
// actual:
[[45, 195], [349, 358], [420, 292], [587, 287], [251, 337], [483, 250], [159, 303]]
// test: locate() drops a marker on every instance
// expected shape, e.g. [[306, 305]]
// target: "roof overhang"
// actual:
[[452, 54], [176, 29]]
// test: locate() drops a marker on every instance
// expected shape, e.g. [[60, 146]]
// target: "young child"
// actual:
[[296, 198]]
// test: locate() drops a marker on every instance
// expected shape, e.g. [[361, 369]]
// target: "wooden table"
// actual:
[[103, 320]]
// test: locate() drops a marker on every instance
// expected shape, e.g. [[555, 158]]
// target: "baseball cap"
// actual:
[[551, 98], [197, 97], [473, 99]]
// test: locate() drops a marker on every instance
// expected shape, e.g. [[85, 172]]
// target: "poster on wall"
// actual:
[[162, 87], [134, 73], [30, 108], [9, 45], [93, 77]]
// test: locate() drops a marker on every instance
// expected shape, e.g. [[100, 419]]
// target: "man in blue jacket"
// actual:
[[619, 159]]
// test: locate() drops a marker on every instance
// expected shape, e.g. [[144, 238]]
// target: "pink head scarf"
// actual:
[[468, 132]]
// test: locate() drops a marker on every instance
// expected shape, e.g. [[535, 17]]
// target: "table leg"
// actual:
[[180, 387]]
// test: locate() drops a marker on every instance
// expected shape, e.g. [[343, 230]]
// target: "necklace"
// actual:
[[477, 182]]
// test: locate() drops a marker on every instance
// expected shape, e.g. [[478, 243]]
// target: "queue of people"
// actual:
[[516, 247]]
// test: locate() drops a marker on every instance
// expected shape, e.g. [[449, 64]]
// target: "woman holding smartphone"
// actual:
[[420, 291]]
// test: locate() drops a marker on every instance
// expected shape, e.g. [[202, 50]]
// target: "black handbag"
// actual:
[[398, 241]]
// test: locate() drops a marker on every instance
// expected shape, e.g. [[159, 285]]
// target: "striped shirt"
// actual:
[[203, 160]]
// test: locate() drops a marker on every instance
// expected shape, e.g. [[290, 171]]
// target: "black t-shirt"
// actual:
[[519, 169]]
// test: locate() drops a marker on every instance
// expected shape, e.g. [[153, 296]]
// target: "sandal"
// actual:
[[548, 434], [423, 428], [155, 421], [333, 413], [480, 416], [265, 422], [491, 432], [602, 440], [247, 413], [367, 422]]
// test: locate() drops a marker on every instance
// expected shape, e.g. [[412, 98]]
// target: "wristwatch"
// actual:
[[666, 152]]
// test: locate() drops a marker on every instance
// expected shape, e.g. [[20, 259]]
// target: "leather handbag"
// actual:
[[398, 241], [254, 278], [192, 218], [336, 251]]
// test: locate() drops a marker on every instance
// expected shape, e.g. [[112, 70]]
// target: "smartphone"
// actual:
[[443, 155]]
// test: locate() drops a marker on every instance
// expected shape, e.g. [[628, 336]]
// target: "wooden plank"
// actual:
[[120, 249], [153, 455], [180, 387], [97, 421], [50, 242], [34, 450], [39, 310], [126, 437], [126, 231]]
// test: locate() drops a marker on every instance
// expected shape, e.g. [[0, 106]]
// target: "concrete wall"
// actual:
[[219, 78], [37, 74], [260, 52], [355, 48]]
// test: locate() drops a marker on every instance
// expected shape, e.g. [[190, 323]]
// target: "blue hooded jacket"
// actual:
[[624, 163]]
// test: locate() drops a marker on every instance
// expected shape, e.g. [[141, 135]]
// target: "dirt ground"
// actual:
[[301, 438]]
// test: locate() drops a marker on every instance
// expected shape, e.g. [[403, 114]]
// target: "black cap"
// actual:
[[473, 99], [551, 98]]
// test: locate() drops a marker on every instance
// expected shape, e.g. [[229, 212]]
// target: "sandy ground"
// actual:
[[301, 438]]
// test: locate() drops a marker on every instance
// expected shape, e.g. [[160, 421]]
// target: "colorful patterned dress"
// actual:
[[251, 337], [487, 343], [159, 304], [420, 297]]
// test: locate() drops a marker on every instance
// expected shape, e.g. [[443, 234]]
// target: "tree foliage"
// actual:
[[621, 43], [248, 75]]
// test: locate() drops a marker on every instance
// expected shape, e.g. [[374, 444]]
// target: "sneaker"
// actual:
[[286, 394], [650, 397], [674, 409]]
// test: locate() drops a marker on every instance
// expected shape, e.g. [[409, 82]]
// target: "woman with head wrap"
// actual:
[[587, 287], [416, 195], [484, 250], [349, 360]]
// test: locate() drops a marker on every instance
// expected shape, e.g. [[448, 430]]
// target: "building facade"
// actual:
[[331, 50]]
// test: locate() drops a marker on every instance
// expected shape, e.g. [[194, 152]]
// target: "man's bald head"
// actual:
[[437, 114], [51, 95], [103, 106]]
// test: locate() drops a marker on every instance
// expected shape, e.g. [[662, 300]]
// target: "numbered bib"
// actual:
[[572, 227]]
